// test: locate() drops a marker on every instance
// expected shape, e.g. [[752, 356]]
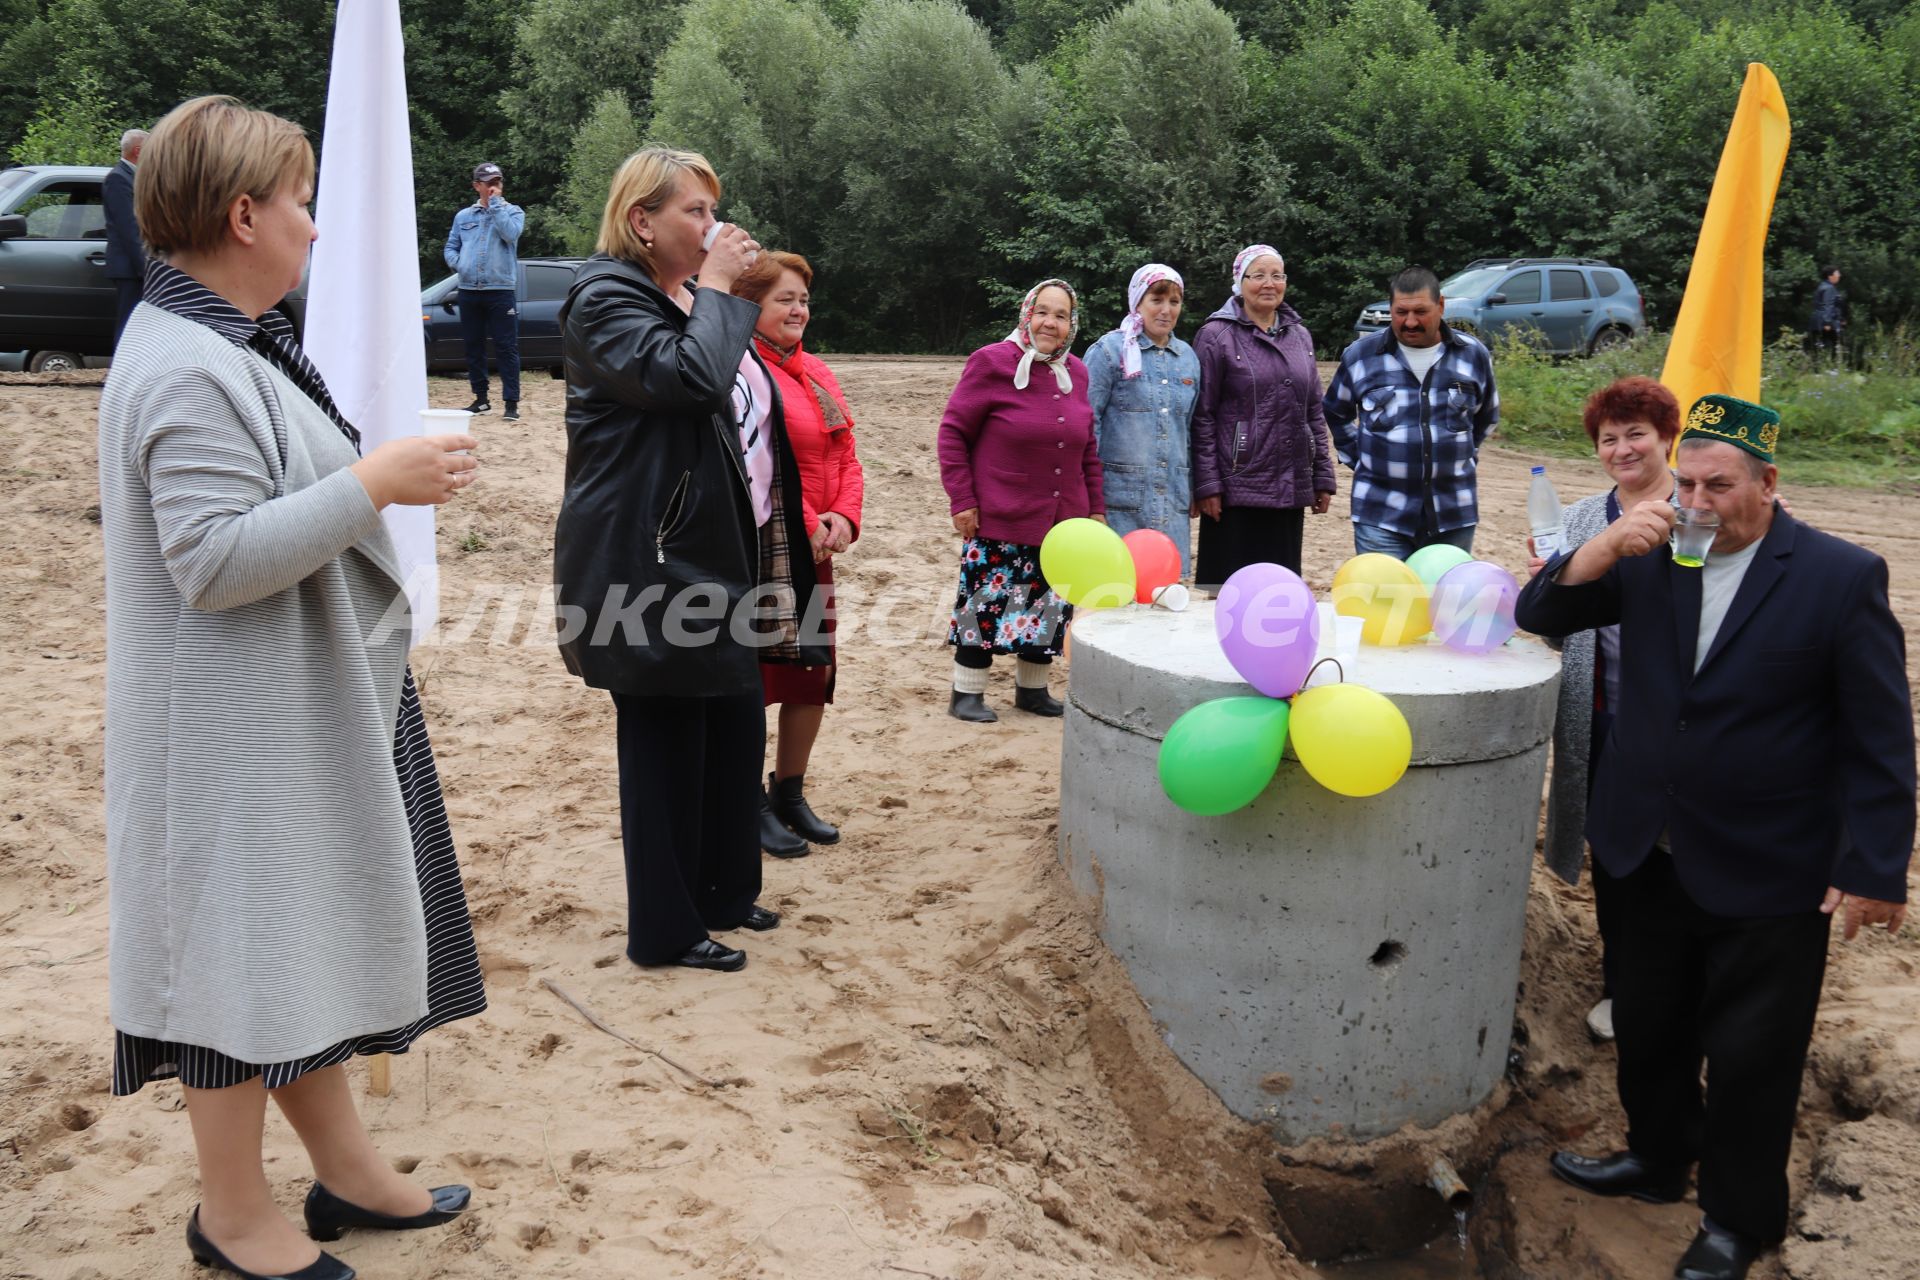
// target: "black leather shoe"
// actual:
[[1038, 701], [207, 1254], [1621, 1174], [774, 836], [328, 1215], [513, 412], [708, 954], [787, 795], [759, 919], [1716, 1255], [970, 706], [480, 405]]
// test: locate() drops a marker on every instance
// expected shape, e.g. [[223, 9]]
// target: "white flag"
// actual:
[[363, 292]]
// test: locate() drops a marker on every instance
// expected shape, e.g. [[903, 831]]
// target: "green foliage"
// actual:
[[76, 128], [566, 53], [607, 138], [921, 121], [741, 85], [934, 158], [1149, 153], [1855, 424]]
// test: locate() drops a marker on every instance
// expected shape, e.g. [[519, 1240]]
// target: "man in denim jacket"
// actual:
[[482, 247], [1408, 410]]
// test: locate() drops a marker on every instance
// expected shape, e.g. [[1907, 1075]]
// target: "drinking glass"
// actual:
[[1694, 530]]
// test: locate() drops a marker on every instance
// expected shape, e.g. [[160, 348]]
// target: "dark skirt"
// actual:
[[1248, 535], [1004, 604], [812, 686], [454, 988]]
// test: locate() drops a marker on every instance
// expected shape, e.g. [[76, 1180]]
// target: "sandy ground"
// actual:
[[934, 1068]]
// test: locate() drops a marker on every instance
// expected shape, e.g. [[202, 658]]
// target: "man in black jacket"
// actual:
[[126, 259], [1759, 778]]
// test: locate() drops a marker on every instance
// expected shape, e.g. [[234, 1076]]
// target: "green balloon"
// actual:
[[1429, 563], [1221, 755]]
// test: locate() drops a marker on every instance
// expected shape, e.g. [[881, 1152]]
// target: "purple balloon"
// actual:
[[1472, 607], [1268, 627]]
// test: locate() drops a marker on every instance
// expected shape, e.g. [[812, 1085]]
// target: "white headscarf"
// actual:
[[1248, 256], [1022, 337], [1131, 327]]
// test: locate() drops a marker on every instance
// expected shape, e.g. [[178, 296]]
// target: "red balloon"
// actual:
[[1156, 562]]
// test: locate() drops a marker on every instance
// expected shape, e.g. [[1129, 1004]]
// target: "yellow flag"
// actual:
[[1716, 341]]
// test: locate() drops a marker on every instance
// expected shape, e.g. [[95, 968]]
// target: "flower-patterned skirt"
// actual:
[[1004, 605]]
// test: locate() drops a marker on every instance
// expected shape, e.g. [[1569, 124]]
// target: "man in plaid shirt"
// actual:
[[1408, 409]]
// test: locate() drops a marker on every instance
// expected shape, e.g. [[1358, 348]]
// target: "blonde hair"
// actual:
[[202, 156], [758, 280], [646, 180]]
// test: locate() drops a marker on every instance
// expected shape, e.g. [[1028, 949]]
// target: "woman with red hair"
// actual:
[[1632, 423], [820, 429]]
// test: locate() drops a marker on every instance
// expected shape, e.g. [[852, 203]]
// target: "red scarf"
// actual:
[[793, 363]]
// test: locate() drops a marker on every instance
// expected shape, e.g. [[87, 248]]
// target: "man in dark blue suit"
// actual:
[[1759, 777], [126, 258]]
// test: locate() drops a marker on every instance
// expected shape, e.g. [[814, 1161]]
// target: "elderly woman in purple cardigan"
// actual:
[[1017, 456]]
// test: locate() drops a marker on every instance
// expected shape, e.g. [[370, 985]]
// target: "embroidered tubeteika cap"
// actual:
[[1740, 423]]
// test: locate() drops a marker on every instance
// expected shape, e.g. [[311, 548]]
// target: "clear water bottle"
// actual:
[[1545, 516]]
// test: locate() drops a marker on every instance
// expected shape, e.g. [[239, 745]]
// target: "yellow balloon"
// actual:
[[1087, 564], [1350, 739], [1387, 596]]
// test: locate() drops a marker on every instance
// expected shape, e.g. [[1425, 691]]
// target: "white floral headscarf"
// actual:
[[1246, 258], [1022, 337], [1130, 328]]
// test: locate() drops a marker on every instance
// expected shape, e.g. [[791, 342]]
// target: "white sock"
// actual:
[[969, 679], [1030, 675]]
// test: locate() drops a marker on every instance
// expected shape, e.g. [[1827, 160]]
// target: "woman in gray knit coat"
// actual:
[[1632, 423], [283, 892]]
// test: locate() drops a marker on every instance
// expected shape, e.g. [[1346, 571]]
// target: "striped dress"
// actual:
[[454, 986]]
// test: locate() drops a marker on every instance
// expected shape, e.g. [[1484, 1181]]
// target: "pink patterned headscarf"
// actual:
[[1246, 257], [1130, 328], [1022, 337]]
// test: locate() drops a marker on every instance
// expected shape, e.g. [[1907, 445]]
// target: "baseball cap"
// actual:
[[488, 172]]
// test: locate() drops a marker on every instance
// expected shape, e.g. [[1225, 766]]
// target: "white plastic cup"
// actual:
[[713, 233], [446, 422], [1173, 597]]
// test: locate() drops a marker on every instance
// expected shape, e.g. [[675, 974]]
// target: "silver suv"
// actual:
[[1566, 306]]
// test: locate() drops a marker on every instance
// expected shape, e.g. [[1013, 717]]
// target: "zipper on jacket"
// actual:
[[676, 502]]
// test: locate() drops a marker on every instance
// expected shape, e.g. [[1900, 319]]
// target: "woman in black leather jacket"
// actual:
[[674, 565]]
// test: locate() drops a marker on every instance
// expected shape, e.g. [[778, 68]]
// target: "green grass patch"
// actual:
[[1857, 425]]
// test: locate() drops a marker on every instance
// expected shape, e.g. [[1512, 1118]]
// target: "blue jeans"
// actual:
[[495, 314], [1372, 537]]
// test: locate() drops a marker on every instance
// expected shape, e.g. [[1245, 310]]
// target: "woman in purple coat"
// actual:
[[1261, 454], [1017, 456]]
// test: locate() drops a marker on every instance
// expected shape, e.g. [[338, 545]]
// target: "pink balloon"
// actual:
[[1472, 607], [1268, 627]]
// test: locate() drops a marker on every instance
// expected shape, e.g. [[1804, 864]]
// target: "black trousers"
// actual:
[[126, 296], [1248, 535], [1740, 995], [689, 817], [495, 314]]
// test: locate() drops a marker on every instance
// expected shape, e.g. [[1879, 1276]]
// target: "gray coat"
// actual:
[[1566, 842], [262, 894]]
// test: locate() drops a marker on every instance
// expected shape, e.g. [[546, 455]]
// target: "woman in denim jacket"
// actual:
[[1142, 382]]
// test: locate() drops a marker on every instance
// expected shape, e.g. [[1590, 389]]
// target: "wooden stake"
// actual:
[[380, 1075]]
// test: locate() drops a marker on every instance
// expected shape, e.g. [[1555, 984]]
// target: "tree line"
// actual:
[[934, 158]]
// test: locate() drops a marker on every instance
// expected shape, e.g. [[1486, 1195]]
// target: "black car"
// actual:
[[543, 285]]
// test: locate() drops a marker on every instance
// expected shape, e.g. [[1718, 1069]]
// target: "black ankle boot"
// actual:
[[790, 806], [774, 836], [1038, 701], [970, 706]]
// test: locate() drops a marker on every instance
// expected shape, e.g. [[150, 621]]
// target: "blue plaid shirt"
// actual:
[[1413, 446]]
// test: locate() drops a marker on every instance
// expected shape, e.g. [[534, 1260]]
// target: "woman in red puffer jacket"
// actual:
[[820, 429]]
